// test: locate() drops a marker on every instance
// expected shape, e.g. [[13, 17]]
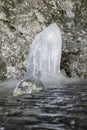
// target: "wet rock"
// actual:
[[27, 87], [2, 69]]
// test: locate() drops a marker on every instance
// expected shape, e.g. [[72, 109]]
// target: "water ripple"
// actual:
[[62, 108]]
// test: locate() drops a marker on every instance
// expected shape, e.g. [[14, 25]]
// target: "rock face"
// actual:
[[21, 20]]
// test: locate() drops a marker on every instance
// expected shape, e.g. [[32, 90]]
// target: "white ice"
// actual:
[[45, 54]]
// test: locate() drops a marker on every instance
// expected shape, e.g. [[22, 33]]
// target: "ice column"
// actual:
[[45, 54]]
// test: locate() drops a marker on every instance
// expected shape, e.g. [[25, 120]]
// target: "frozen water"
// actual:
[[45, 54]]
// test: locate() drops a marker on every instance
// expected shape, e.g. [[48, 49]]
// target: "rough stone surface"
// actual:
[[21, 20], [27, 87]]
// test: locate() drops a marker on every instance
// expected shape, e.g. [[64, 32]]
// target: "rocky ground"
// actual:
[[21, 20]]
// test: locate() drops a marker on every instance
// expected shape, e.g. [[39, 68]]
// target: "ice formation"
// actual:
[[45, 54]]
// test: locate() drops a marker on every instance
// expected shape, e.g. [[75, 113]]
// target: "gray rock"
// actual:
[[20, 21], [27, 87]]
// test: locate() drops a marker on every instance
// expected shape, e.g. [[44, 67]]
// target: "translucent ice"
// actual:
[[45, 54]]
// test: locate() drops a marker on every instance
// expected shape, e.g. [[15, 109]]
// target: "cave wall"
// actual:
[[21, 20]]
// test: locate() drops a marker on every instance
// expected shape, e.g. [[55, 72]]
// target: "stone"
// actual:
[[27, 87]]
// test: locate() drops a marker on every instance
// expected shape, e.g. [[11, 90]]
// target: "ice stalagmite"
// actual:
[[45, 54]]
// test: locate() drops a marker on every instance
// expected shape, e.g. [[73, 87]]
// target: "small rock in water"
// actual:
[[27, 87]]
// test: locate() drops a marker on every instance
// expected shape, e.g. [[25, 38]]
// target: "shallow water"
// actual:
[[62, 108]]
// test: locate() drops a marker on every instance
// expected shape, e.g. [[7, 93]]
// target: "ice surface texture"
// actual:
[[45, 54]]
